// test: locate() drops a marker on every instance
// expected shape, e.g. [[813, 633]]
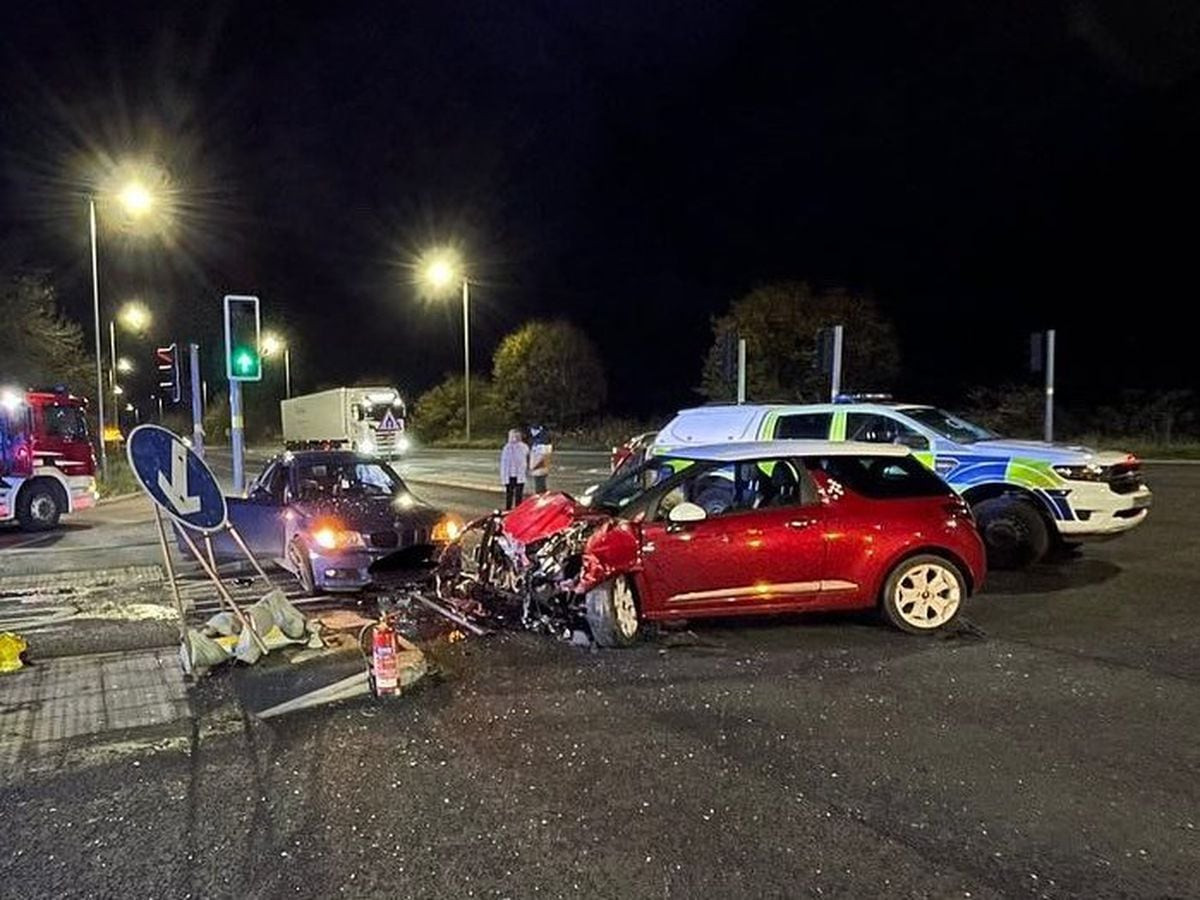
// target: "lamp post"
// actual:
[[136, 200], [439, 271], [272, 344]]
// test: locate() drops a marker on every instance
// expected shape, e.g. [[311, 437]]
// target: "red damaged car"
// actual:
[[735, 529]]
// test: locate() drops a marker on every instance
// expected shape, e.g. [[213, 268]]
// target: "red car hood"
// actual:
[[543, 515]]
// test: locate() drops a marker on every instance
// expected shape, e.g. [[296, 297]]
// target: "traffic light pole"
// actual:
[[236, 437], [197, 406]]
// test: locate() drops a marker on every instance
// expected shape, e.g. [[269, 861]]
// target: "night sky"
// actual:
[[983, 169]]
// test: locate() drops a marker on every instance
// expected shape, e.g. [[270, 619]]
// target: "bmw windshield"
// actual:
[[950, 426]]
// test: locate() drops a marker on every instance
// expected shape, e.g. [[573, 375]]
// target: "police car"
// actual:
[[1025, 495]]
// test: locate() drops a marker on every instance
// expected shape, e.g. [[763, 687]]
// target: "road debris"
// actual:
[[12, 649]]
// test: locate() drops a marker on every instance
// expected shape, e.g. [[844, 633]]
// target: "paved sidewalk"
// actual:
[[43, 707]]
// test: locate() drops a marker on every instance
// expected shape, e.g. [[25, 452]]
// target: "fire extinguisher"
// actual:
[[384, 668]]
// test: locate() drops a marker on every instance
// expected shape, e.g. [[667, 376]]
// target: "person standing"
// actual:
[[540, 452], [514, 463]]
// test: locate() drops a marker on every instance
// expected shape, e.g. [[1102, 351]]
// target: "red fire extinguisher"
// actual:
[[383, 660]]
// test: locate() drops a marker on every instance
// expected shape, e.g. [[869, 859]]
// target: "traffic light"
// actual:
[[167, 359], [243, 358]]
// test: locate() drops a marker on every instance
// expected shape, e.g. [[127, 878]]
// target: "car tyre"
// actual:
[[923, 594], [298, 557], [1013, 530], [38, 507], [612, 613]]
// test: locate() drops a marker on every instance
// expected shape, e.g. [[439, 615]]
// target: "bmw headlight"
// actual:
[[330, 535], [1089, 472]]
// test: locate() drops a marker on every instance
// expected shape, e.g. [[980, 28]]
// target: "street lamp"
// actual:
[[272, 344], [136, 199], [124, 366], [134, 317], [439, 271]]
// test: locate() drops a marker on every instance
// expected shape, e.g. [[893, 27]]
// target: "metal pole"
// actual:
[[741, 378], [287, 372], [112, 363], [835, 380], [1049, 435], [235, 434], [467, 353], [197, 408], [99, 361]]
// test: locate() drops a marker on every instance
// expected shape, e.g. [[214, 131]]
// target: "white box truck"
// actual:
[[365, 419]]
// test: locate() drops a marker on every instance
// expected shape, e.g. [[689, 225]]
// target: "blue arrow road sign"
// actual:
[[176, 478]]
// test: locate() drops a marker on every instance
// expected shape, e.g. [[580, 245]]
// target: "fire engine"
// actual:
[[47, 465]]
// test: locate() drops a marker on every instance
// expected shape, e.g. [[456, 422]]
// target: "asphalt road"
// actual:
[[1048, 750]]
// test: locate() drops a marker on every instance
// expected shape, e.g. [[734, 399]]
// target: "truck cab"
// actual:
[[47, 463], [1025, 494]]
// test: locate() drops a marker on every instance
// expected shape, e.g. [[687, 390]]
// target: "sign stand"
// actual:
[[180, 484], [170, 566], [223, 591]]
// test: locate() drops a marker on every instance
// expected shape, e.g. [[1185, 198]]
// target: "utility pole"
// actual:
[[741, 370], [1049, 431], [835, 379]]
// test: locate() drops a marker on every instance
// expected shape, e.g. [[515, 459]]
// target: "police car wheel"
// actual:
[[1014, 532], [38, 507]]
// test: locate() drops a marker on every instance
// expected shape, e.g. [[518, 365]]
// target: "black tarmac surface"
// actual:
[[1047, 748]]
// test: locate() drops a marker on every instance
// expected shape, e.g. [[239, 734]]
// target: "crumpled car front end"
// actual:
[[534, 566]]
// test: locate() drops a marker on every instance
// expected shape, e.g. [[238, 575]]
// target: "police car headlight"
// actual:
[[1089, 472]]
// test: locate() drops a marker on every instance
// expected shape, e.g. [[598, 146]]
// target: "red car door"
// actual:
[[769, 557]]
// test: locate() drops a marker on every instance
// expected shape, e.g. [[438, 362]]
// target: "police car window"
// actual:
[[882, 477], [875, 428], [803, 426]]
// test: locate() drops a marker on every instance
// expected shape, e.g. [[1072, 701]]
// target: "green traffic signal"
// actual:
[[245, 361]]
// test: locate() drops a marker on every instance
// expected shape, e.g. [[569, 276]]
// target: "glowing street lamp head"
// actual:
[[134, 316], [136, 199], [440, 270], [272, 344], [124, 364]]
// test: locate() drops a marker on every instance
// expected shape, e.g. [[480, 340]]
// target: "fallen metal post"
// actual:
[[450, 614]]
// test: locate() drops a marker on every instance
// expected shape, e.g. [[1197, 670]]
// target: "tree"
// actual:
[[38, 346], [438, 413], [780, 323], [548, 372]]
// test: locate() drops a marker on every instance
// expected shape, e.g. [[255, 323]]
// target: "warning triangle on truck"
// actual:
[[388, 422]]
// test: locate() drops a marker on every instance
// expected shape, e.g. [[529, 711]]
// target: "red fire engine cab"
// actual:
[[47, 465]]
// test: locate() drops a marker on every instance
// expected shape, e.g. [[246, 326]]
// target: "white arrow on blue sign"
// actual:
[[176, 479]]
